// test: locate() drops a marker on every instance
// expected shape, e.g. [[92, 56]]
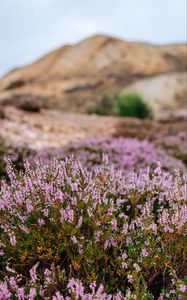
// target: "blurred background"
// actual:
[[29, 29], [75, 70]]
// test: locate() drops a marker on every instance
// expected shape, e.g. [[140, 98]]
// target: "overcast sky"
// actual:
[[31, 28]]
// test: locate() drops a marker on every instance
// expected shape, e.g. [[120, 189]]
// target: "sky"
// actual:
[[31, 28]]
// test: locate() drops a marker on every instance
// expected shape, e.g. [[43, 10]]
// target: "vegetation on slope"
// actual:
[[68, 233]]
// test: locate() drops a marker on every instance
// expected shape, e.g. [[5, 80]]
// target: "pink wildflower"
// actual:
[[41, 222], [182, 288], [144, 253]]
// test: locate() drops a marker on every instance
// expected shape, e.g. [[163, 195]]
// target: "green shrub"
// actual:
[[105, 106], [129, 105], [132, 105]]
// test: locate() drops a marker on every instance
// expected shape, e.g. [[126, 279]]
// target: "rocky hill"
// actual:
[[73, 77]]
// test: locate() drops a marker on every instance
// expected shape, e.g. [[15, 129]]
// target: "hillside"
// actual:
[[75, 76]]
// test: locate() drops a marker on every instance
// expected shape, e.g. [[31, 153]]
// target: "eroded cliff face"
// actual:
[[72, 78]]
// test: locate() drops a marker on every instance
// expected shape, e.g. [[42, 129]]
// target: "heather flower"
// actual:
[[4, 292], [130, 278], [32, 294], [99, 226], [13, 283], [144, 253], [58, 296], [1, 252], [79, 222], [20, 293], [24, 229], [12, 239], [127, 154], [33, 273], [109, 243], [74, 240], [45, 212], [137, 267], [114, 224], [182, 288], [29, 206], [41, 222]]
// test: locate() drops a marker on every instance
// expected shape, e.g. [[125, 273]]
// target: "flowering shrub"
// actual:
[[175, 145], [132, 105], [128, 105], [127, 154], [70, 233], [16, 154], [171, 136]]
